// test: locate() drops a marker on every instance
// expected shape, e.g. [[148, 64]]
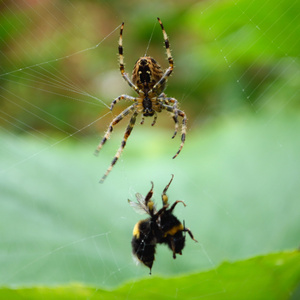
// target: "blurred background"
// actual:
[[237, 78]]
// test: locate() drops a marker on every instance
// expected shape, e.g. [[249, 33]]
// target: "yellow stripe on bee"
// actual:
[[174, 230], [136, 230]]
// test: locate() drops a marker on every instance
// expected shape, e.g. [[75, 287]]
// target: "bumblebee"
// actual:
[[161, 228]]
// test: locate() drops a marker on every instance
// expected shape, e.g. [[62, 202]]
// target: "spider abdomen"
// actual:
[[146, 73]]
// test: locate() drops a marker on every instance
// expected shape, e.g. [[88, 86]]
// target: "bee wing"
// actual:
[[140, 206], [140, 198], [142, 203], [140, 209]]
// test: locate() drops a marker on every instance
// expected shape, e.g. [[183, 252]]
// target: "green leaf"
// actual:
[[274, 276]]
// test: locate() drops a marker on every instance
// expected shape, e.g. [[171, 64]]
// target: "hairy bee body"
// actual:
[[144, 241], [172, 231], [161, 228]]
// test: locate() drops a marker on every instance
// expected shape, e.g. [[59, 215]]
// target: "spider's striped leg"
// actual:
[[176, 126], [175, 103], [167, 45], [123, 144], [168, 100], [122, 67], [168, 72], [183, 129], [154, 119], [122, 97], [115, 121]]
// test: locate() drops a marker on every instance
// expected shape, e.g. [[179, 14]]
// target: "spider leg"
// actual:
[[183, 129], [115, 121], [167, 44], [168, 72], [154, 119], [164, 196], [123, 143], [122, 67], [175, 103], [122, 97], [176, 126], [168, 100]]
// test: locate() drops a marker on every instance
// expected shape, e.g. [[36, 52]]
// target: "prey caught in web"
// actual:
[[149, 81], [162, 227]]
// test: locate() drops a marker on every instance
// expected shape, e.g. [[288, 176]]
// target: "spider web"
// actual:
[[58, 224]]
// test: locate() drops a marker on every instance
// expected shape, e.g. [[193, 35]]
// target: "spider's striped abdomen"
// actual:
[[146, 73]]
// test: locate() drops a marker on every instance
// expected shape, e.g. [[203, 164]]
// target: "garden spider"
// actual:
[[149, 81]]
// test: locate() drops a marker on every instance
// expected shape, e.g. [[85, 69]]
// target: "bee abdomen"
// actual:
[[143, 251]]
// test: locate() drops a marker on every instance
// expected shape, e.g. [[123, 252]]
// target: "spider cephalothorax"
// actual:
[[149, 81]]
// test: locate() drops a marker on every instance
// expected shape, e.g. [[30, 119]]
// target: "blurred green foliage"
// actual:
[[228, 55]]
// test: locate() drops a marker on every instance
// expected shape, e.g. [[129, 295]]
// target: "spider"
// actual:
[[149, 81]]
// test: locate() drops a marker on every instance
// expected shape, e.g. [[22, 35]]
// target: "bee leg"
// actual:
[[190, 234], [173, 248], [175, 203], [150, 194], [164, 196], [162, 210]]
